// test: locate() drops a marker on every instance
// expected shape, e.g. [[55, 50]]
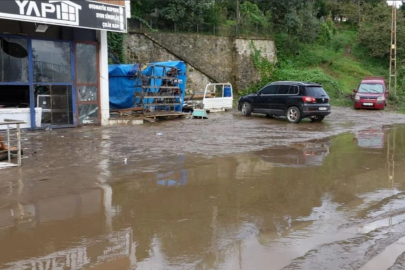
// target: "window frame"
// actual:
[[283, 86], [269, 86], [297, 92]]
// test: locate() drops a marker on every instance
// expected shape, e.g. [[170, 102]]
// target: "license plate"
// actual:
[[323, 108], [367, 104]]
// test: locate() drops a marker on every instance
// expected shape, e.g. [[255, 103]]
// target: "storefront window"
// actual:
[[14, 60], [87, 65], [52, 61]]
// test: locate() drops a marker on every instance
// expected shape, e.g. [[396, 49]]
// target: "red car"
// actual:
[[371, 94]]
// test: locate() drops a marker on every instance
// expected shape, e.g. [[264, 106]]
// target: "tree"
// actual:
[[375, 32], [321, 8], [185, 14], [309, 24], [252, 17]]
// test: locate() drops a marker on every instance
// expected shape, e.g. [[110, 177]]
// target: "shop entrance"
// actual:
[[53, 81], [87, 83]]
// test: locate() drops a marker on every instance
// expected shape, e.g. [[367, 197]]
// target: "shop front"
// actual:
[[54, 61]]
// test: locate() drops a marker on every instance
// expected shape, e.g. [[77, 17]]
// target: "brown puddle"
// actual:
[[258, 210]]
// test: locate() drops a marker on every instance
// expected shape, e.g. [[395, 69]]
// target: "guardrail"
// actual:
[[5, 146]]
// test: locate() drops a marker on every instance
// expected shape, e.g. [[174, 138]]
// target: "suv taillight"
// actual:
[[309, 99]]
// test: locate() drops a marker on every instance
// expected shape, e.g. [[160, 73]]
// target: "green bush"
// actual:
[[116, 44], [325, 34]]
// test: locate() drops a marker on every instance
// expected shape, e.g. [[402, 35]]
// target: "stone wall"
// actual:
[[209, 58], [141, 49], [243, 68]]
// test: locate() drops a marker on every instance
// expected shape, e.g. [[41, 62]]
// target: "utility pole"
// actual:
[[393, 50], [237, 15]]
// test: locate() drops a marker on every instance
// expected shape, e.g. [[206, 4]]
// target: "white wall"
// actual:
[[128, 8], [104, 83]]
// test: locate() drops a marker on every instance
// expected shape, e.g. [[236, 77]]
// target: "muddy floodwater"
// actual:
[[227, 193]]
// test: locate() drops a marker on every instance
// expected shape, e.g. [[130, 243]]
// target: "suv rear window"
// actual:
[[315, 91]]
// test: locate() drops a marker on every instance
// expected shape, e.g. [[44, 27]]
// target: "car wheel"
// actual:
[[246, 109], [293, 114], [317, 118], [270, 116]]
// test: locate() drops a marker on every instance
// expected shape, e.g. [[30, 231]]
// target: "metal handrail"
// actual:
[[8, 122]]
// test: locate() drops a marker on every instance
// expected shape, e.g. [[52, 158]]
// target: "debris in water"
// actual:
[[182, 220]]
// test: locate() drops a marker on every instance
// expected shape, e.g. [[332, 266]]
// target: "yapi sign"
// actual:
[[75, 13]]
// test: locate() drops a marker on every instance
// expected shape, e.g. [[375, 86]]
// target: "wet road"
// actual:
[[226, 193]]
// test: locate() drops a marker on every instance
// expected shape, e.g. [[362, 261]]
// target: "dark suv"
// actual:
[[294, 100]]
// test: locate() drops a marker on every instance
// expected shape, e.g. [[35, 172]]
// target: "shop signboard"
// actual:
[[74, 13]]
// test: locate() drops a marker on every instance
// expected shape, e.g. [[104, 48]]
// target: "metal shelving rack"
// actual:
[[159, 99]]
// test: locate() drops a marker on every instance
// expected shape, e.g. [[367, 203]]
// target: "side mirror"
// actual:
[[259, 93], [354, 91], [388, 91]]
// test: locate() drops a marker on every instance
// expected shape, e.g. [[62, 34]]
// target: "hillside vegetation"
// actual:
[[338, 66], [332, 42]]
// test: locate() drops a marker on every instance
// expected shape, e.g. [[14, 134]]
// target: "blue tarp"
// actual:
[[123, 83]]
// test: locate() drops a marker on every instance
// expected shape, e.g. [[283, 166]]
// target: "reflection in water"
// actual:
[[173, 178], [372, 138], [298, 154], [100, 251], [256, 210], [49, 219]]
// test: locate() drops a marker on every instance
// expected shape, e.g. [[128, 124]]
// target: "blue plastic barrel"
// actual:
[[227, 91]]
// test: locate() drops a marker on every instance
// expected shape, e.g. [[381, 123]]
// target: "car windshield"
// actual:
[[376, 88], [315, 91]]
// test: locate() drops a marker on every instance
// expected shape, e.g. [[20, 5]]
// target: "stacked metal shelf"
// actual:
[[159, 94]]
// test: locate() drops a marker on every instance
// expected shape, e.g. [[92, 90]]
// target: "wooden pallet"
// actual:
[[125, 112], [155, 115]]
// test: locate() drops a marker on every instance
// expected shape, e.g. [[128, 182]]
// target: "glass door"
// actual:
[[87, 83], [53, 81]]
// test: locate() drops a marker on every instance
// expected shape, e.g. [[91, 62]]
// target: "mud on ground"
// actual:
[[230, 192]]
